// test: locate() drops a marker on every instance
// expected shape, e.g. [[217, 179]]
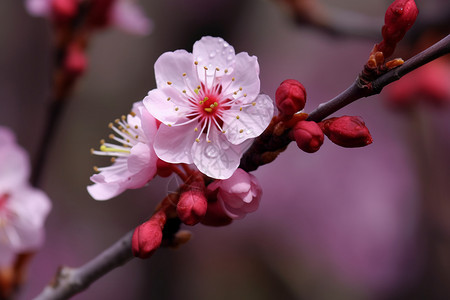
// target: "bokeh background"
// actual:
[[370, 223]]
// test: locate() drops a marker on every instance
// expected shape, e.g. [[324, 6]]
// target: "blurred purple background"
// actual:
[[337, 224]]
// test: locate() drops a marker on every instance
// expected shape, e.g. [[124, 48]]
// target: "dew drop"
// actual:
[[212, 54]]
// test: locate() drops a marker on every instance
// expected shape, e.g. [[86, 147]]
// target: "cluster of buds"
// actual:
[[345, 131], [217, 204]]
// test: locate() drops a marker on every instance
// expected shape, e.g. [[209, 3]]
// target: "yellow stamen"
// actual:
[[197, 140], [169, 83], [207, 109], [195, 129], [196, 91], [108, 149], [241, 131], [184, 74], [237, 117]]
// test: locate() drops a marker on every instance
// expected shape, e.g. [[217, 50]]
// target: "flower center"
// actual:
[[208, 106]]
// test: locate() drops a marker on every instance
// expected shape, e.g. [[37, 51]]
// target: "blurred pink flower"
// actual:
[[23, 209], [238, 195], [210, 106], [134, 160], [125, 14]]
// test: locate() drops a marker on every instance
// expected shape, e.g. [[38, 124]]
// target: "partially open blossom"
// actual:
[[209, 104], [125, 14], [399, 18], [23, 209], [147, 237], [347, 131], [290, 97], [134, 160], [192, 205], [307, 135], [238, 195]]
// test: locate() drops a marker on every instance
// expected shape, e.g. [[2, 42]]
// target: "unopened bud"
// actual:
[[64, 10], [148, 236], [399, 18], [347, 131], [75, 62], [191, 207], [290, 97], [307, 135]]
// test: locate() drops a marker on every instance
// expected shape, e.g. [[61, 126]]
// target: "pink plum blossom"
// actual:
[[125, 14], [210, 106], [238, 195], [134, 160], [23, 209]]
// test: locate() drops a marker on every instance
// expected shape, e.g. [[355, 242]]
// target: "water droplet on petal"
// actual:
[[225, 44], [230, 57], [212, 54]]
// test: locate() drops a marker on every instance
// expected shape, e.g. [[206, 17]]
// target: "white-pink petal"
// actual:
[[129, 16], [173, 144], [250, 122], [170, 67], [217, 159], [212, 53]]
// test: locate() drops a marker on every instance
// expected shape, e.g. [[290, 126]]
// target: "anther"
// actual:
[[111, 136], [197, 140], [168, 99], [253, 103], [217, 69], [241, 131], [102, 141], [240, 89], [184, 91], [123, 117], [133, 114], [240, 109], [92, 150], [209, 141], [207, 109], [233, 79], [176, 108], [237, 117], [196, 129], [169, 83], [110, 125], [116, 121], [206, 69], [216, 104], [184, 74], [225, 71], [95, 168], [195, 62], [136, 127], [113, 159]]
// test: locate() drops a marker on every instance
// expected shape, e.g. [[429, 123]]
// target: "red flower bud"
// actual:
[[347, 131], [192, 206], [399, 18], [308, 135], [75, 62], [290, 97], [148, 236], [64, 10]]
